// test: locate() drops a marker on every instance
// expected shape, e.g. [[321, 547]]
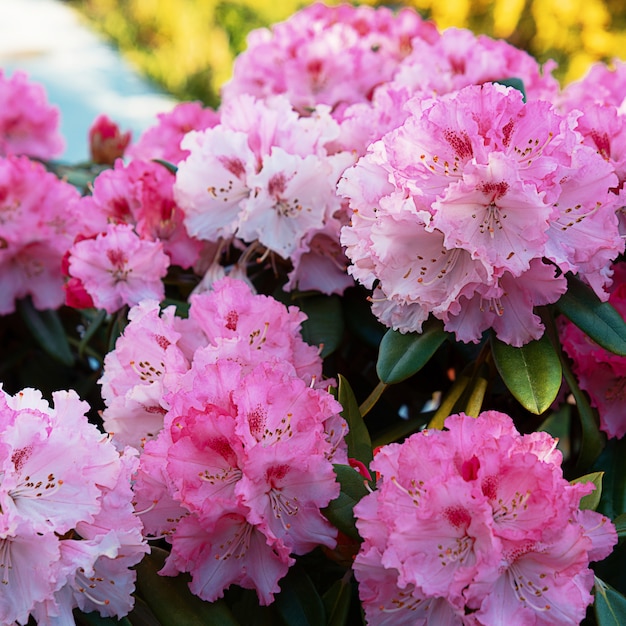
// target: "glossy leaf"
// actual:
[[612, 462], [298, 602], [600, 320], [592, 438], [358, 437], [339, 512], [532, 372], [337, 601], [516, 83], [402, 355], [170, 599], [591, 501], [47, 329], [609, 605], [325, 325]]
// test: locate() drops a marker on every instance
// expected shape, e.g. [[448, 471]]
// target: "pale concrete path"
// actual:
[[83, 75]]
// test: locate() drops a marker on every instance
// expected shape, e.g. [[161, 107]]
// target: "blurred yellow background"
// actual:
[[188, 46]]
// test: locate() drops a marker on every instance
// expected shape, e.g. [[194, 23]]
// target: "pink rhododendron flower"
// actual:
[[38, 222], [29, 125], [327, 55], [497, 187], [263, 175], [599, 372], [66, 513], [162, 141], [106, 142], [141, 194], [118, 267], [246, 456], [476, 525], [227, 323]]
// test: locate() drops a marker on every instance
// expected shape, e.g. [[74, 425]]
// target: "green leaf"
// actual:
[[592, 438], [591, 501], [337, 601], [170, 167], [298, 602], [532, 373], [325, 325], [620, 525], [358, 437], [339, 512], [597, 319], [47, 329], [609, 605], [402, 355], [170, 599], [91, 330], [612, 462], [516, 83]]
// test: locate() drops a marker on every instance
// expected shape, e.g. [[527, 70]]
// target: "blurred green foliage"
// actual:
[[188, 46]]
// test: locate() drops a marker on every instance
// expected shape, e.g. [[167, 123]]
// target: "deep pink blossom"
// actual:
[[39, 220], [236, 478], [141, 194], [477, 522], [29, 125], [106, 141]]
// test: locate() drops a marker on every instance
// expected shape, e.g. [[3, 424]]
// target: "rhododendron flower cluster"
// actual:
[[238, 436], [263, 174], [29, 125], [335, 56], [132, 232], [67, 525], [476, 525], [474, 208], [599, 372], [38, 222]]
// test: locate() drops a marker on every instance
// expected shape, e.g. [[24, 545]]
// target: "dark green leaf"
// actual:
[[609, 605], [91, 330], [620, 525], [324, 326], [358, 437], [339, 512], [591, 501], [597, 319], [592, 438], [337, 601], [170, 167], [47, 329], [298, 602], [532, 373], [170, 599], [516, 83], [612, 462], [402, 355]]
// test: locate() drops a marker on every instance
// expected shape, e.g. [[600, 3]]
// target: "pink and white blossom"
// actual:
[[473, 191], [67, 513]]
